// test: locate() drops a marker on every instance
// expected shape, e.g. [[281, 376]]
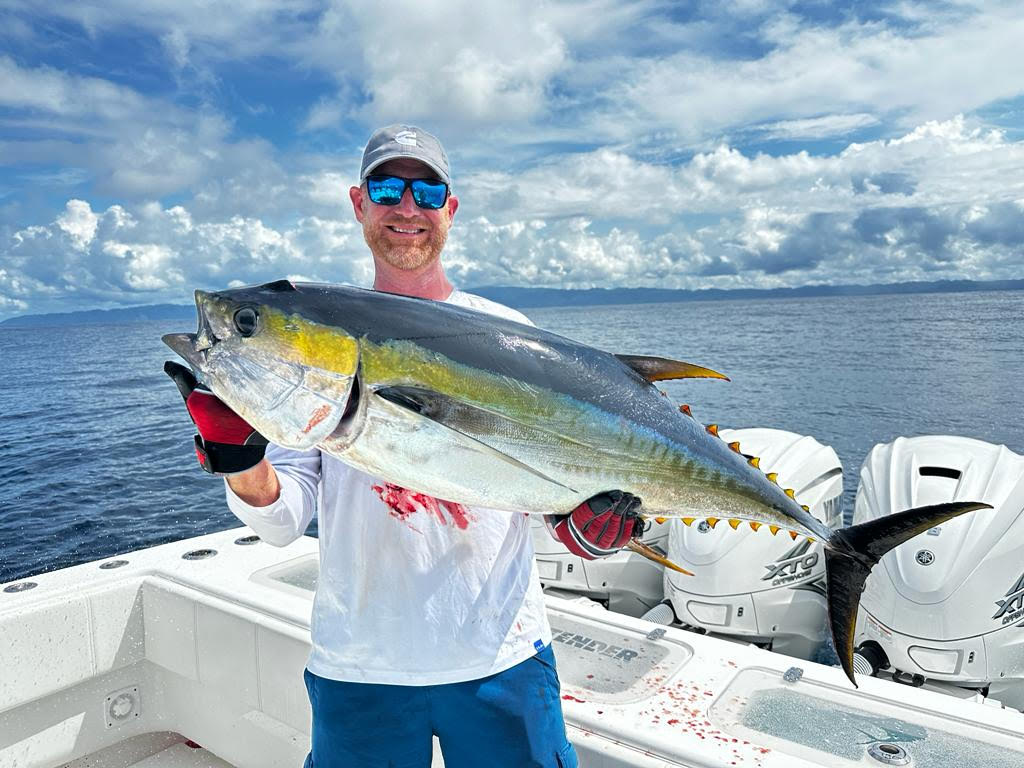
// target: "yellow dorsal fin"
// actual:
[[687, 520], [712, 522], [663, 369], [713, 429], [684, 408], [774, 529], [773, 476], [754, 525], [791, 493], [734, 523], [793, 535], [755, 462], [735, 447]]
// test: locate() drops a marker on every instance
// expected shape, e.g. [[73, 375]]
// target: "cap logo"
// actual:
[[406, 138]]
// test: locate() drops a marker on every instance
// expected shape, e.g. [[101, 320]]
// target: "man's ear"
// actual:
[[453, 206], [355, 194]]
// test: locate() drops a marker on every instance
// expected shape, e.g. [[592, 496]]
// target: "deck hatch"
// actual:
[[600, 662], [831, 726]]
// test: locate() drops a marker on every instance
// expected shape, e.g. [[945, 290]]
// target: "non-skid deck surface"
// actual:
[[182, 756], [151, 750]]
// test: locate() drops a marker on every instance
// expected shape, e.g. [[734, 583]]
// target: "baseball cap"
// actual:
[[393, 141]]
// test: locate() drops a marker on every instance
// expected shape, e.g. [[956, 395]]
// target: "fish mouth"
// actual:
[[184, 345], [192, 347]]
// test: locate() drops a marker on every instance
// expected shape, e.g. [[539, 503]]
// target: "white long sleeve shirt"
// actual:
[[410, 591]]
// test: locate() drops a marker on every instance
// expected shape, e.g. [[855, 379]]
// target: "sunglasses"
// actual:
[[388, 190]]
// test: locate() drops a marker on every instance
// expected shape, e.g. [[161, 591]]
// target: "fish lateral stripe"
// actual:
[[328, 348]]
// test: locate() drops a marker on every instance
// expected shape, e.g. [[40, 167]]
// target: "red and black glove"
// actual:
[[226, 442], [600, 526]]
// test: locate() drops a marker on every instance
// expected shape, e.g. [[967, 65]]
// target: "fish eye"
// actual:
[[245, 321]]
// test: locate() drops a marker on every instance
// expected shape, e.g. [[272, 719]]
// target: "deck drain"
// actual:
[[20, 587], [113, 564], [247, 540], [199, 554], [122, 706], [889, 754]]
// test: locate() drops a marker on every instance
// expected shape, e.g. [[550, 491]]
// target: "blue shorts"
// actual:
[[513, 719]]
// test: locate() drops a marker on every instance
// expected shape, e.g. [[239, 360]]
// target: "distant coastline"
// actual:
[[527, 298]]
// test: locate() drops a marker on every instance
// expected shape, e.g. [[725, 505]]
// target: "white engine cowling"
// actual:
[[948, 605], [752, 585]]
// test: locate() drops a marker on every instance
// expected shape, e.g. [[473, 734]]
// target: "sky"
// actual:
[[149, 149]]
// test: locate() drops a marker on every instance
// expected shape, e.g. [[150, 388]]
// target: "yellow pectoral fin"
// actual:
[[635, 545]]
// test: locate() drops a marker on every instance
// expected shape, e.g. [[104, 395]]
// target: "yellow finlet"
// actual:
[[805, 508], [684, 408], [735, 447], [712, 522], [793, 535], [755, 462], [687, 520], [660, 520], [713, 429], [773, 476], [774, 529], [791, 493], [754, 525], [734, 523]]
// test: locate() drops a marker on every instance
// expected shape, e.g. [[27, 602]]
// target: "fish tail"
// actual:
[[852, 552]]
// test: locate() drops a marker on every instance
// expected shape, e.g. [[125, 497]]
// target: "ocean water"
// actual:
[[96, 447]]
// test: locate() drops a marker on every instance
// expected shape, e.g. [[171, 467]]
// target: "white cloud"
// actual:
[[79, 223], [817, 127], [956, 64], [155, 254], [48, 90]]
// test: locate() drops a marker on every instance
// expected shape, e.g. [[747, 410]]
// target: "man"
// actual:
[[428, 617]]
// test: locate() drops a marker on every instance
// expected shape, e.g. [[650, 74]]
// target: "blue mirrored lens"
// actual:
[[429, 194], [385, 190]]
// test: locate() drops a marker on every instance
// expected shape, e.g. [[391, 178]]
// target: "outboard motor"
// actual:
[[750, 585], [947, 608], [624, 582]]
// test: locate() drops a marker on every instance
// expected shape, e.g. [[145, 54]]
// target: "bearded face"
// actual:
[[406, 243], [404, 236]]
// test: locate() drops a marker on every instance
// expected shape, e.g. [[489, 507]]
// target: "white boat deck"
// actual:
[[105, 667], [151, 750]]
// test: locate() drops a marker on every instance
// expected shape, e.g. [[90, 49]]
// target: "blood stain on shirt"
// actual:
[[402, 502]]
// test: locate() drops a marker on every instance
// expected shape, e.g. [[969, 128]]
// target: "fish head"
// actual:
[[256, 348]]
